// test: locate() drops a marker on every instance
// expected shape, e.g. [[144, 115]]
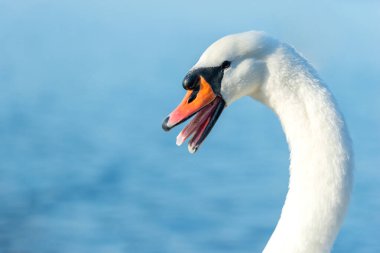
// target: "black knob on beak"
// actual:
[[190, 82]]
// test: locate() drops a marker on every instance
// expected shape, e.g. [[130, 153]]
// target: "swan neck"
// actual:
[[320, 156]]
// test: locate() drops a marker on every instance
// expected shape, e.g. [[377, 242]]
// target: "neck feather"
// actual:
[[320, 155]]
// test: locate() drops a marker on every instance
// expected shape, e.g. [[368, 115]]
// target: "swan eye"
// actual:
[[226, 64]]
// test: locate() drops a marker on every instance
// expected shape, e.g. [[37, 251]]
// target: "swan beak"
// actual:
[[194, 101]]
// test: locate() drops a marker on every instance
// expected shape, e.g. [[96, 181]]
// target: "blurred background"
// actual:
[[85, 165]]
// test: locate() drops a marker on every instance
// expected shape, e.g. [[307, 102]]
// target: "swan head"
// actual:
[[232, 67]]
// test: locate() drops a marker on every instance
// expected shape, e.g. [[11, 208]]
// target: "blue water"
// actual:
[[85, 165]]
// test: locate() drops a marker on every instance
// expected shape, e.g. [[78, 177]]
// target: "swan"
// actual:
[[255, 64]]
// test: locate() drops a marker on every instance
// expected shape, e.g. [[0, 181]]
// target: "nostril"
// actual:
[[190, 82], [193, 96]]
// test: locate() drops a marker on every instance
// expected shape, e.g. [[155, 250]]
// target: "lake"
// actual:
[[85, 165]]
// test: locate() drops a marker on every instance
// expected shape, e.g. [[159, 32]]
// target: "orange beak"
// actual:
[[193, 101]]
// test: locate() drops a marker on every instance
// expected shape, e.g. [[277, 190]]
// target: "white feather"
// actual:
[[320, 152]]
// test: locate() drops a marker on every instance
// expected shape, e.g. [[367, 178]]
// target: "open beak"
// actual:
[[207, 106]]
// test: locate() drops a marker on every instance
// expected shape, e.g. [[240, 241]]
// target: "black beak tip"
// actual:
[[165, 124]]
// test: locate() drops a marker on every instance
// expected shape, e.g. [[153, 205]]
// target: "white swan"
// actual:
[[256, 65]]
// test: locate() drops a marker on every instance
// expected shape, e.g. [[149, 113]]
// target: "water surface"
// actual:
[[85, 165]]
